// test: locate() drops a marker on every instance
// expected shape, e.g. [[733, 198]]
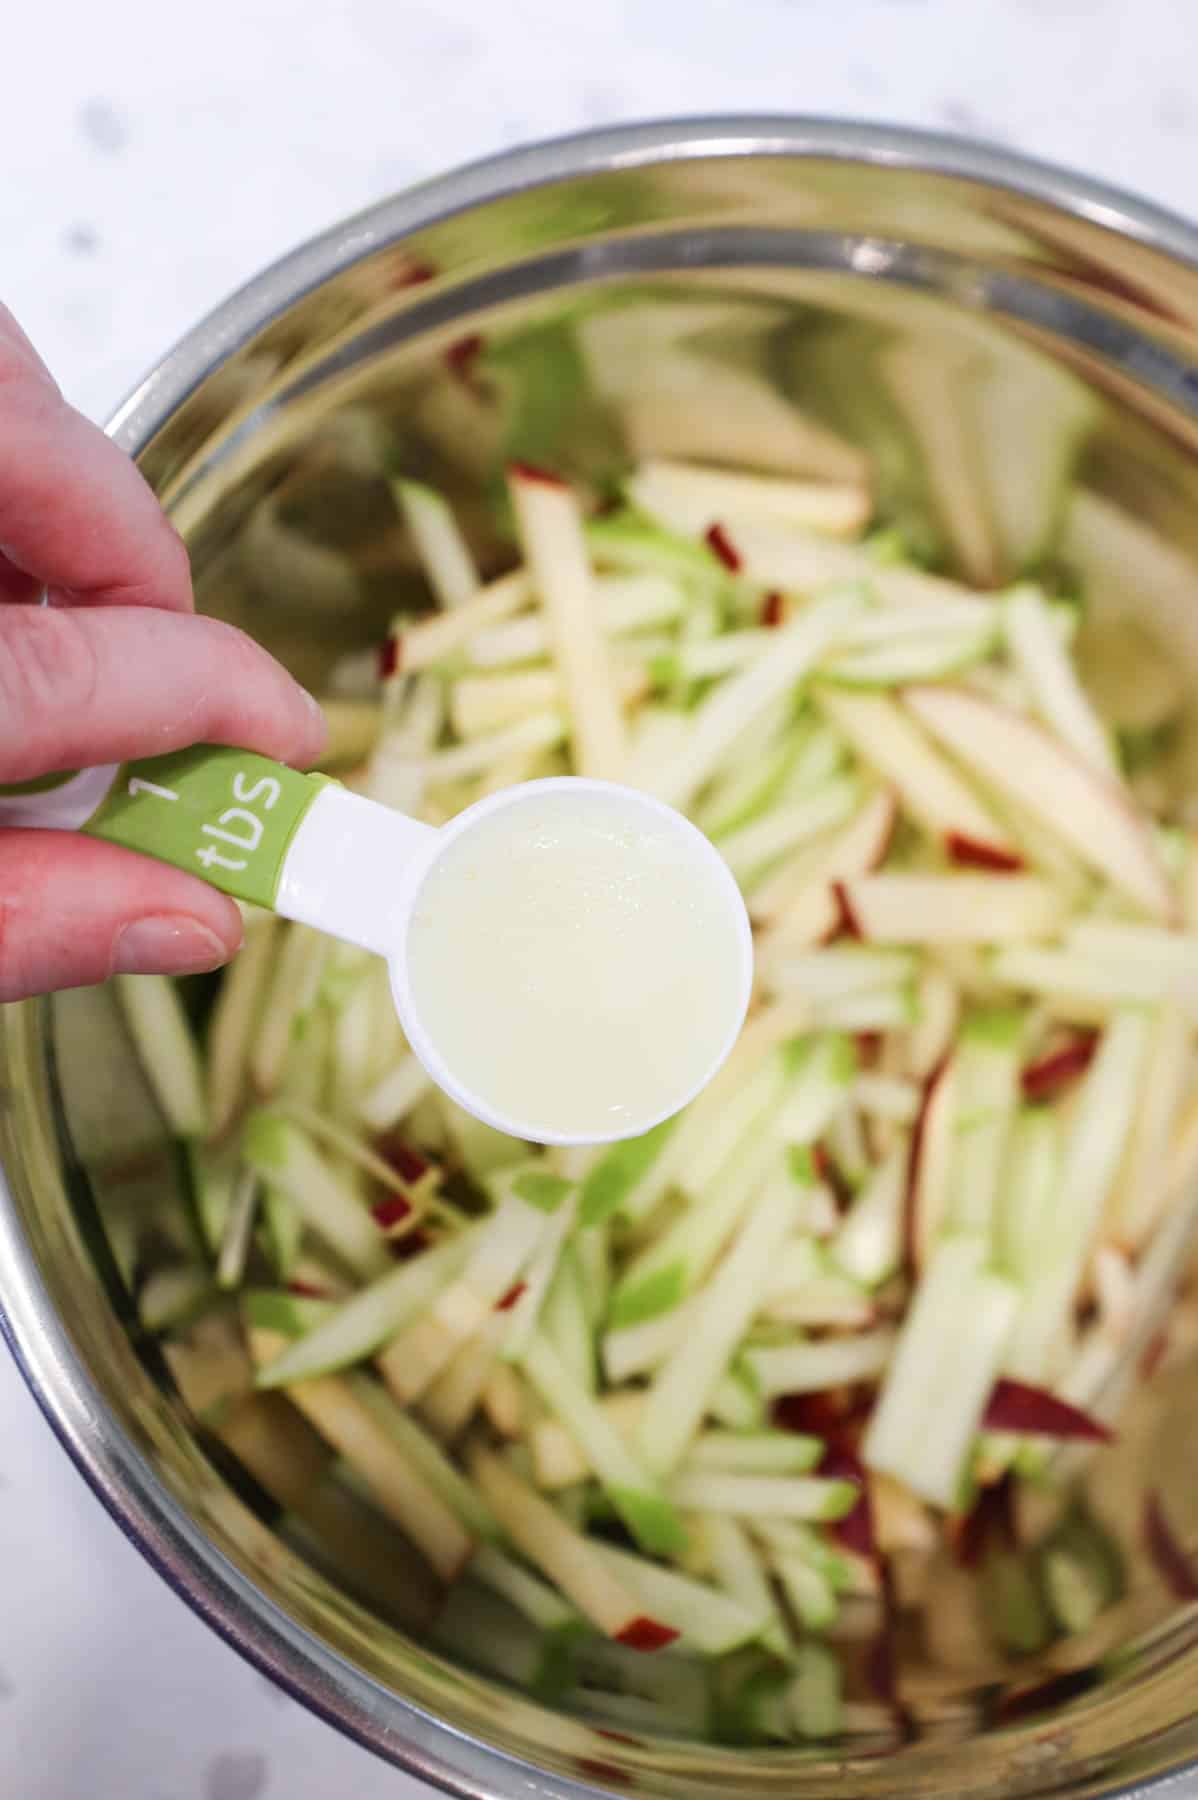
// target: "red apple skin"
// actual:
[[1043, 1080], [390, 658], [510, 1298], [971, 853], [773, 609], [881, 1661], [847, 920], [390, 1212], [408, 1164], [838, 1415], [646, 1634], [991, 1519], [870, 858], [593, 1768], [1034, 1412], [1169, 1558], [413, 271], [523, 471], [411, 1244], [836, 924], [1046, 1696], [827, 1172], [919, 1229], [461, 357], [958, 718], [721, 546], [856, 1530]]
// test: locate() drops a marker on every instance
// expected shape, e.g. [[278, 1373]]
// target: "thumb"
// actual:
[[74, 910]]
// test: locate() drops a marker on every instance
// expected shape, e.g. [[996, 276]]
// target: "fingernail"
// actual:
[[315, 708], [320, 725], [168, 946]]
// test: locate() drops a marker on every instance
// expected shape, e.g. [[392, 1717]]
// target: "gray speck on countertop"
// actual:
[[102, 126], [958, 115], [81, 240], [236, 1775]]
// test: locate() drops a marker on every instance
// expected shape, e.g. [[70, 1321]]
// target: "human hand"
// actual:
[[116, 666]]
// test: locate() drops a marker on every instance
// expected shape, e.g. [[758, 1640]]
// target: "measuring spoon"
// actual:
[[571, 960]]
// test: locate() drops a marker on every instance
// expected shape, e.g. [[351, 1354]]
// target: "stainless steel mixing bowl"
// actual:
[[265, 432]]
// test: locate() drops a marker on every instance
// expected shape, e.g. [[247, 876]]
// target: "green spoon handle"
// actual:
[[228, 816]]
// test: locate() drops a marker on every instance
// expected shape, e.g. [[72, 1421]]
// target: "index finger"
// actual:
[[98, 685], [75, 514]]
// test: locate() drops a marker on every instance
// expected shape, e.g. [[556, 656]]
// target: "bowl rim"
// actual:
[[253, 305], [143, 1509]]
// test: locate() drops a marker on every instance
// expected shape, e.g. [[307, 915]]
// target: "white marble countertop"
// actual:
[[153, 159]]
